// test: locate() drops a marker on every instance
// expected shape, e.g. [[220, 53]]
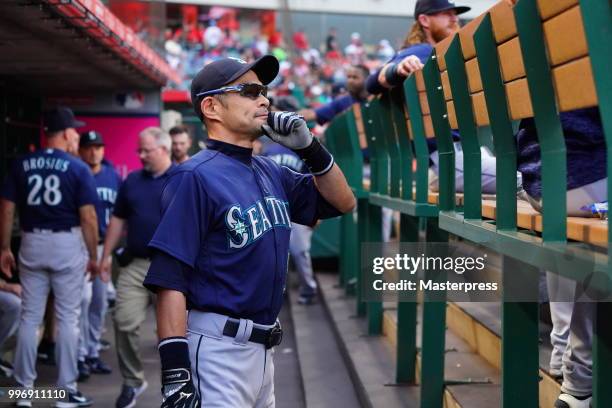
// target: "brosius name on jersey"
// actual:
[[245, 227]]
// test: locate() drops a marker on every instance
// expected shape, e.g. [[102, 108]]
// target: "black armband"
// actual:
[[316, 157], [392, 77], [174, 353]]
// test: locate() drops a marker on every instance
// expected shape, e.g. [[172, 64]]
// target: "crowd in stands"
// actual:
[[312, 73]]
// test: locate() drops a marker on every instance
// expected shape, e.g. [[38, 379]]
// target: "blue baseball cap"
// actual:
[[60, 118], [91, 138], [436, 6], [226, 70]]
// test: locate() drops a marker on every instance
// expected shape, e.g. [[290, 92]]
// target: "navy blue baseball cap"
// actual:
[[436, 6], [91, 138], [226, 70], [60, 118]]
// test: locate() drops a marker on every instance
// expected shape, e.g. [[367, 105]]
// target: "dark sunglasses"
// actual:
[[248, 90]]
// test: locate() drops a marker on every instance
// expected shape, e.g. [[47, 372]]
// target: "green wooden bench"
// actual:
[[531, 60], [535, 59]]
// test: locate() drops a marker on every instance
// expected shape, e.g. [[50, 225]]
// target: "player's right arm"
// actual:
[[175, 247], [113, 235], [171, 313], [89, 228], [177, 383], [7, 260]]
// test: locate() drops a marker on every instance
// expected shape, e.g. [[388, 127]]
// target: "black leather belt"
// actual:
[[268, 337], [48, 230]]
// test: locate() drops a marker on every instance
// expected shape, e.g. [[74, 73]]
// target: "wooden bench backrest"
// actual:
[[567, 52]]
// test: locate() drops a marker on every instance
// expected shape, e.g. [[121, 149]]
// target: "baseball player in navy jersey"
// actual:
[[55, 196], [222, 246], [94, 306]]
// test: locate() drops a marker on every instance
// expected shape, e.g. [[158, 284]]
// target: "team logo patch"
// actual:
[[246, 226]]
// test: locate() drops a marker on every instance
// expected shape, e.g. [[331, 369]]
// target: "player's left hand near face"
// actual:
[[288, 129], [7, 263]]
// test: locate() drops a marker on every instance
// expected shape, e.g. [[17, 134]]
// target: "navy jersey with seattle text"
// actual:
[[48, 187], [227, 220], [107, 186]]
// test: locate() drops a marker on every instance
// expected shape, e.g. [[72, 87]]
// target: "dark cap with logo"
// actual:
[[91, 138], [226, 70], [436, 6], [60, 118]]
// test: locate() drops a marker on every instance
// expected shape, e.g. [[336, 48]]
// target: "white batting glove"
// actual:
[[288, 129]]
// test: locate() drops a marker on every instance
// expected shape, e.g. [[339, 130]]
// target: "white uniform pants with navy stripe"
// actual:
[[40, 271], [229, 372], [10, 309], [572, 333], [299, 248], [93, 311]]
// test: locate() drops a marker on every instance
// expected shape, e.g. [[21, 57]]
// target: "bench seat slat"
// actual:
[[452, 116], [565, 37], [550, 8], [574, 87], [504, 26], [441, 48], [466, 36], [424, 103], [511, 60], [590, 230], [448, 95]]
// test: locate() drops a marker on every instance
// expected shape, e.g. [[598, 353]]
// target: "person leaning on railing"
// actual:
[[435, 21]]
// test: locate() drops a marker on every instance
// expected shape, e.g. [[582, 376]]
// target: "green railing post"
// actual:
[[520, 336], [392, 144], [419, 138], [401, 128], [501, 125], [405, 368], [362, 232], [472, 169], [434, 332], [519, 320], [444, 140], [548, 124], [378, 179], [597, 17]]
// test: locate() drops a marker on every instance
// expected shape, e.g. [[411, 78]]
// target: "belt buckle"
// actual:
[[275, 336]]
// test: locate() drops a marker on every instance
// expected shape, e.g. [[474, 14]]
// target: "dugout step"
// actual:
[[471, 382], [368, 358], [325, 378]]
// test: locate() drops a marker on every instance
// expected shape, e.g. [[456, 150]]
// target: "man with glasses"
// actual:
[[137, 207], [222, 246]]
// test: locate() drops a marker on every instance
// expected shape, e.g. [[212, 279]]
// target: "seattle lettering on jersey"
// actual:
[[245, 227], [45, 163]]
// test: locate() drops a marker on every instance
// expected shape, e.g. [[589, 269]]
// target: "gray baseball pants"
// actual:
[[299, 248], [229, 371], [572, 333], [93, 311], [39, 272], [10, 309]]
